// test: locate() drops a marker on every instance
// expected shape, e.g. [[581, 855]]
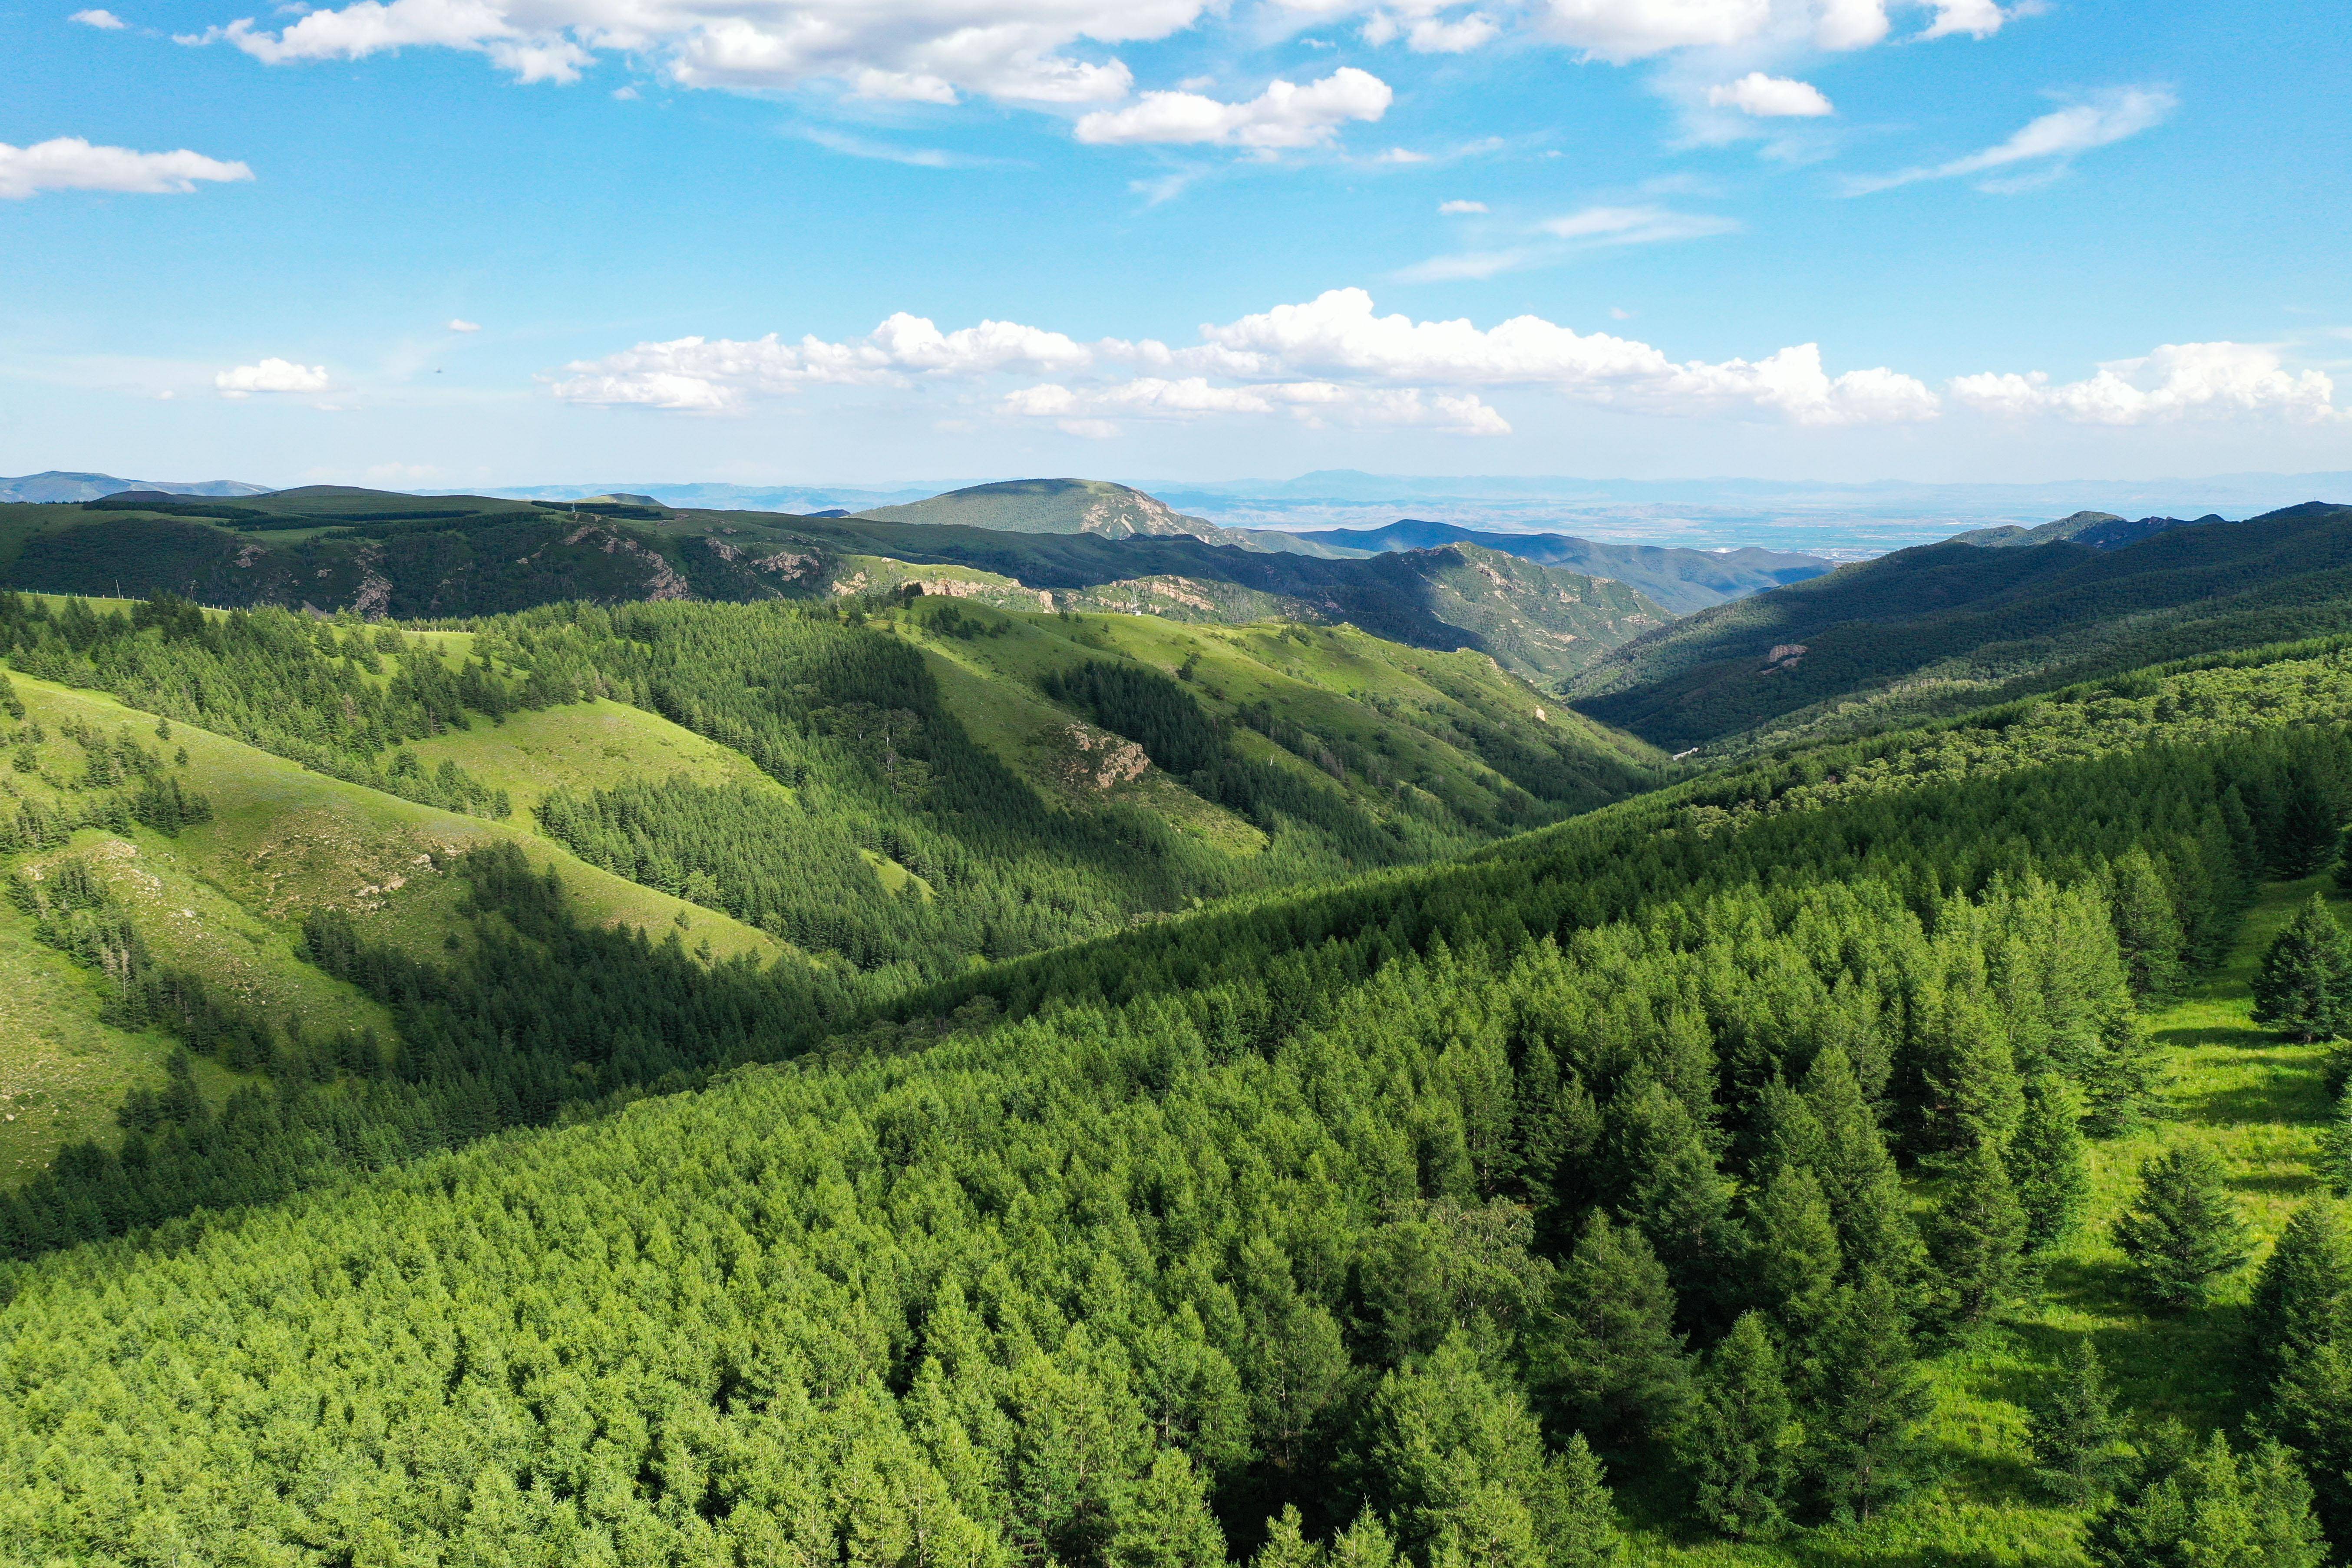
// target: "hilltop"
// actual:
[[1081, 506], [56, 485]]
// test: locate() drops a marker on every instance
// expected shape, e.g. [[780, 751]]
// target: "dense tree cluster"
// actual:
[[341, 698]]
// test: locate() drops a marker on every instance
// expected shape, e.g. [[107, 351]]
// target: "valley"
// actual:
[[908, 1041]]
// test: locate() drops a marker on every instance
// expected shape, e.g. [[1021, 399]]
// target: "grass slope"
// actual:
[[1446, 724], [225, 899]]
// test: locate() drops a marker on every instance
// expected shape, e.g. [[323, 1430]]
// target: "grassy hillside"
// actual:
[[1944, 628], [1447, 735], [225, 899]]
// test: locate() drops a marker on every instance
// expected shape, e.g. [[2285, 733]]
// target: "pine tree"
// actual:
[[2050, 1163], [1606, 1355], [2300, 1333], [1972, 1091], [1583, 1529], [1365, 1544], [2305, 986], [1797, 1259], [2209, 1508], [2307, 829], [2303, 1297], [2334, 1162], [2148, 928], [1977, 1235], [2074, 1429], [1165, 1521], [1740, 1445], [2183, 1230], [1858, 1175], [1866, 1400], [1286, 1545]]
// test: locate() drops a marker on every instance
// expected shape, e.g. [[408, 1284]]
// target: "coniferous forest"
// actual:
[[1927, 1146]]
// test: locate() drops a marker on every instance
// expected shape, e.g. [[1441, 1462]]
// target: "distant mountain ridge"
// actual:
[[382, 552], [1942, 629], [2097, 530], [1681, 579], [1098, 507], [53, 486]]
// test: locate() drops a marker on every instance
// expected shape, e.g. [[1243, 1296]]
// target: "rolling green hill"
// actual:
[[919, 802], [1473, 1208], [1944, 628], [380, 553]]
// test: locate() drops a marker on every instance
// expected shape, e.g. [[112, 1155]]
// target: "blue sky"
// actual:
[[449, 242]]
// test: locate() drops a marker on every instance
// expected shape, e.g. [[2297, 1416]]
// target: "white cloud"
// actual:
[[1315, 403], [2177, 380], [1635, 226], [2049, 142], [105, 21], [459, 324], [718, 375], [71, 164], [907, 50], [1338, 337], [1976, 18], [1623, 31], [271, 375], [1283, 115], [1332, 359], [1771, 98], [1556, 239], [1453, 209]]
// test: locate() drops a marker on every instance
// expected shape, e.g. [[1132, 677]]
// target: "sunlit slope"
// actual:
[[1399, 730], [223, 899]]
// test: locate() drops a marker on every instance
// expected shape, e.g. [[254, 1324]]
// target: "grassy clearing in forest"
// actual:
[[2238, 1087]]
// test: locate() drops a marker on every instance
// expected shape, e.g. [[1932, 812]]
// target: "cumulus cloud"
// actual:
[[1771, 98], [271, 375], [2048, 144], [1976, 18], [459, 324], [1426, 30], [71, 164], [1622, 30], [719, 375], [1339, 337], [105, 21], [907, 50], [2177, 380], [1284, 115], [1333, 358], [1455, 209], [1092, 411]]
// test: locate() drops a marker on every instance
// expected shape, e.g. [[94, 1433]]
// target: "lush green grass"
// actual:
[[2260, 1102], [1415, 708], [223, 899]]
